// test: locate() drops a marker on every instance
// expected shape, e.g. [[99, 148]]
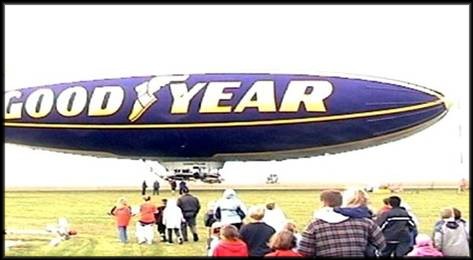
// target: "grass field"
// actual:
[[87, 213]]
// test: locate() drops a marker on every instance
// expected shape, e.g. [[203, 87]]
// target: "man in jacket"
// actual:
[[397, 226], [156, 188], [333, 234], [190, 207], [143, 188]]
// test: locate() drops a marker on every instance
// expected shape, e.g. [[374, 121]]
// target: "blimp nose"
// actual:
[[448, 103]]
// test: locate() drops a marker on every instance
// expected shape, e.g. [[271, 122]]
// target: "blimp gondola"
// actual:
[[192, 124]]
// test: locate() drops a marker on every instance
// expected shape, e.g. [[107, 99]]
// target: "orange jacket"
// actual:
[[122, 216], [147, 211]]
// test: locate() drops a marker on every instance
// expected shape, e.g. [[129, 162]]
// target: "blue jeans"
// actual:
[[122, 235]]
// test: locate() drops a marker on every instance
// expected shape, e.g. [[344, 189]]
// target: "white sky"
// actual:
[[426, 45]]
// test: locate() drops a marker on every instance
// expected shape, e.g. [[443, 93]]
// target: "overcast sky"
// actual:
[[425, 45]]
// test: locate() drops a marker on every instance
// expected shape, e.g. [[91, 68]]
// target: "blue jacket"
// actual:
[[397, 225], [358, 212]]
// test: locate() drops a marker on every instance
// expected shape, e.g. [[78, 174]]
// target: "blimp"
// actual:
[[192, 124]]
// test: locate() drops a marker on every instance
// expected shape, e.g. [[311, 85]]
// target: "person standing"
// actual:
[[397, 226], [172, 219], [190, 207], [214, 237], [386, 207], [424, 247], [145, 224], [451, 235], [274, 216], [283, 244], [229, 209], [463, 185], [230, 244], [159, 220], [257, 234], [156, 188], [355, 205], [173, 186], [122, 213], [333, 234], [182, 187], [143, 188]]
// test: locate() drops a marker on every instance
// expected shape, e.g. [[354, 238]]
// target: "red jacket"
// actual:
[[231, 248], [122, 215], [283, 253], [147, 211]]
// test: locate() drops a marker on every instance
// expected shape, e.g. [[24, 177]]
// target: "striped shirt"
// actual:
[[348, 238]]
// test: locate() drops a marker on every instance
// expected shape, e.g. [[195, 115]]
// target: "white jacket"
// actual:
[[275, 218], [451, 237], [328, 215], [172, 215]]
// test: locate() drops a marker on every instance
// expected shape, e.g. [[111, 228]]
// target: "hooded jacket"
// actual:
[[451, 237], [357, 212], [333, 234], [230, 248], [172, 215], [228, 205], [396, 225], [424, 247]]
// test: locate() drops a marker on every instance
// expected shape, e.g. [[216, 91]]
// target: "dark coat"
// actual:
[[396, 225], [189, 205]]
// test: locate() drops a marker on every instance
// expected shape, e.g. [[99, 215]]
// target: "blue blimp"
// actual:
[[212, 118]]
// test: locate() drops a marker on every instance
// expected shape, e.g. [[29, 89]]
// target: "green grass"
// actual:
[[87, 213]]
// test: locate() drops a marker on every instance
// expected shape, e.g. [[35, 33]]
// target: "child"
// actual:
[[424, 247], [122, 213], [230, 244], [209, 218], [159, 220], [386, 207], [172, 219], [214, 237], [144, 227], [292, 227], [283, 243], [451, 234]]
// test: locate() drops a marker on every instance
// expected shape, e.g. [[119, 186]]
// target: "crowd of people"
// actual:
[[171, 217], [345, 226]]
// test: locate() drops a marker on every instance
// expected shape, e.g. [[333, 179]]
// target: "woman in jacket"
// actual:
[[229, 209]]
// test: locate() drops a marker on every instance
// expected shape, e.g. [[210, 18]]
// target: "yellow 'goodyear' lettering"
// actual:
[[107, 100]]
